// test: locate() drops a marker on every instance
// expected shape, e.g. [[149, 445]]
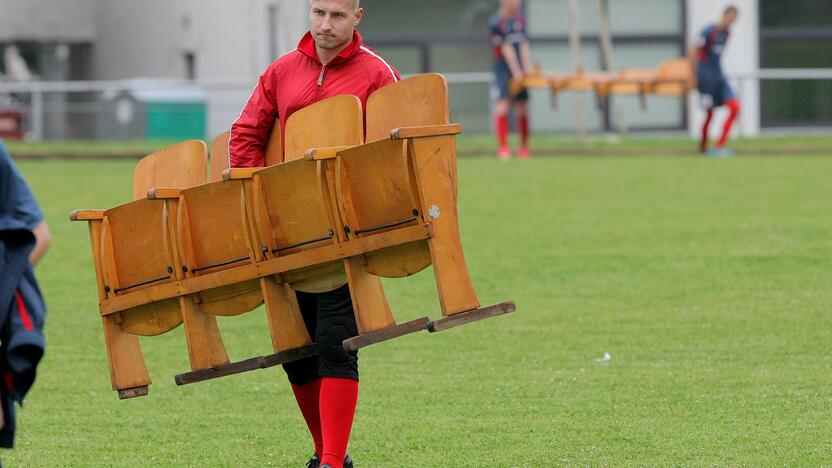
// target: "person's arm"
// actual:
[[526, 57], [512, 60], [250, 132], [43, 239]]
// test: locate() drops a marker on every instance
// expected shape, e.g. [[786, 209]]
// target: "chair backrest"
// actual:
[[219, 157], [274, 148], [331, 122], [297, 211], [181, 165], [420, 100]]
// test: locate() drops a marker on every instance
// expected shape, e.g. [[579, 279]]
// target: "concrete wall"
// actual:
[[47, 20], [741, 56]]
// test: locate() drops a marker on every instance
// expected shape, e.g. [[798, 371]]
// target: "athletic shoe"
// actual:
[[504, 153], [523, 152], [721, 153], [315, 462]]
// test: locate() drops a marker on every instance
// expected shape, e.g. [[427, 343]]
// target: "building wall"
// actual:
[[47, 20], [741, 57], [150, 39]]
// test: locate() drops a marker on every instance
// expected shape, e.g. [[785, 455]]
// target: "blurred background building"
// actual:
[[103, 69]]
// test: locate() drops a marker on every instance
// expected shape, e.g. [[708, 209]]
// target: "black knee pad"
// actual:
[[303, 371], [332, 330]]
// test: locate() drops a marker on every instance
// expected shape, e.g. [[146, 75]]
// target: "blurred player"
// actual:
[[714, 89], [512, 60], [330, 60], [24, 240]]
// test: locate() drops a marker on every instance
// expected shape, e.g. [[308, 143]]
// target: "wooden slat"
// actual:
[[425, 131], [471, 316], [384, 334], [260, 362], [320, 154], [86, 215], [239, 173], [267, 268]]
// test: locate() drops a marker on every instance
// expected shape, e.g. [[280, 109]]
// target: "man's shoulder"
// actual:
[[371, 58], [289, 58]]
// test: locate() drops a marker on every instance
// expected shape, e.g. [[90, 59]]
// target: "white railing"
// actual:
[[31, 94]]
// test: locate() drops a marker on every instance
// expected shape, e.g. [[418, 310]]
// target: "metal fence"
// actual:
[[140, 109]]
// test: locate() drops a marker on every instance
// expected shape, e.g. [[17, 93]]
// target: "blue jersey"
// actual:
[[18, 208], [507, 31], [711, 44]]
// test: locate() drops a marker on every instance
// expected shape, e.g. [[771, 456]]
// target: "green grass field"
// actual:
[[708, 282]]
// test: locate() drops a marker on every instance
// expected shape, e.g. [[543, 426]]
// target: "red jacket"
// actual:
[[297, 80]]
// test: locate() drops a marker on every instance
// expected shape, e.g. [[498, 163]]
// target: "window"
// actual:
[[796, 34]]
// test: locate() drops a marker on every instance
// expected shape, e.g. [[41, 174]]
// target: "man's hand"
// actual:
[[43, 239]]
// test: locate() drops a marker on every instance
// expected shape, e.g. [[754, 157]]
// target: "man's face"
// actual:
[[332, 22], [512, 7], [730, 18]]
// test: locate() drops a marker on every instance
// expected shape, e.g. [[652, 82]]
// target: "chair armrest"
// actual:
[[239, 173], [425, 131], [318, 154], [163, 193], [86, 215]]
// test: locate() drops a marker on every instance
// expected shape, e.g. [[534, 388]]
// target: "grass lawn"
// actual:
[[707, 281]]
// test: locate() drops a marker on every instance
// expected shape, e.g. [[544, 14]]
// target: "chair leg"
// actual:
[[288, 330], [432, 160], [128, 371], [205, 346], [372, 312]]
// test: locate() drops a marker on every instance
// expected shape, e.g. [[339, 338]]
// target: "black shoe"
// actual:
[[315, 462]]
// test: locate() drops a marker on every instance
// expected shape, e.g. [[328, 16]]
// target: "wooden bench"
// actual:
[[332, 210]]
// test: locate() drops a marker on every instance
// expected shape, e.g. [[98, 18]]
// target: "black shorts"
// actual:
[[714, 90], [502, 80], [330, 320]]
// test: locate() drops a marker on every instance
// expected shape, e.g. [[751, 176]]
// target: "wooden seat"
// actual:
[[133, 252], [407, 177]]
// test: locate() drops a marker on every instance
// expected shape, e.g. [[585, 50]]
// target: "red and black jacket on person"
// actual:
[[22, 309], [297, 80]]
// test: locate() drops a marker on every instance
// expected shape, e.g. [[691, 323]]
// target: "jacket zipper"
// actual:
[[321, 76], [320, 83]]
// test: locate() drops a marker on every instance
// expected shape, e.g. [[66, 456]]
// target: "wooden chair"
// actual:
[[133, 252], [407, 177]]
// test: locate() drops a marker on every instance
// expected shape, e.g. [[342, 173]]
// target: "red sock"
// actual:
[[703, 145], [734, 109], [524, 130], [308, 397], [501, 124], [338, 400]]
